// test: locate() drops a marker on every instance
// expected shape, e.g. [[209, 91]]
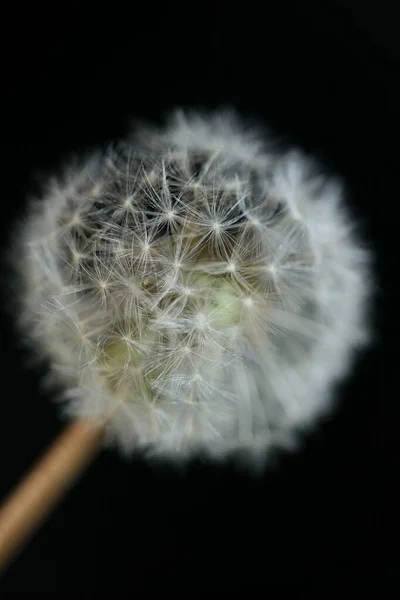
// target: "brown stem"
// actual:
[[49, 479]]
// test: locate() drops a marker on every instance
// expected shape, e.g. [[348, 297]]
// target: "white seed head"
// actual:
[[202, 291]]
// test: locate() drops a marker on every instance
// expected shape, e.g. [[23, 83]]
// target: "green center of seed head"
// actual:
[[125, 360]]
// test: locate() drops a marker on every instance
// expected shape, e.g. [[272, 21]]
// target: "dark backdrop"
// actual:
[[325, 73]]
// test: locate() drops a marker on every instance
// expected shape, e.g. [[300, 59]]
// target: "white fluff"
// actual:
[[200, 289]]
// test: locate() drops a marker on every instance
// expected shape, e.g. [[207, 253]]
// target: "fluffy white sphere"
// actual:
[[199, 289]]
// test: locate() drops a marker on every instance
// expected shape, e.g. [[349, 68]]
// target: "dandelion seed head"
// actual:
[[197, 287]]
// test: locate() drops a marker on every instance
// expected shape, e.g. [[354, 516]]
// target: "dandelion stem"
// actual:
[[45, 484]]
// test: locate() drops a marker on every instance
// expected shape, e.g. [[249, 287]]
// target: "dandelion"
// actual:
[[203, 290]]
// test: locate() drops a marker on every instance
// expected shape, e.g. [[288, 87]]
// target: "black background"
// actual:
[[325, 73]]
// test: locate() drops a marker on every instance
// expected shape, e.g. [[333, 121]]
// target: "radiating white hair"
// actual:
[[201, 289]]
